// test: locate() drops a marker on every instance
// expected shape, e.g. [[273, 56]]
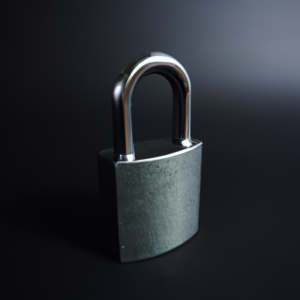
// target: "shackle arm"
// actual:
[[140, 66]]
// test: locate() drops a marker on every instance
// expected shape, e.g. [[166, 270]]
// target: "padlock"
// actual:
[[150, 191]]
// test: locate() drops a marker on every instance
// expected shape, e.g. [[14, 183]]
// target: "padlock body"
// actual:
[[151, 205]]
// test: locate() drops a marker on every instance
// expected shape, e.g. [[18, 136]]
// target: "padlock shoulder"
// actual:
[[152, 150]]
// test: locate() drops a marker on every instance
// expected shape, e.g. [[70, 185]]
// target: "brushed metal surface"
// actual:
[[156, 198]]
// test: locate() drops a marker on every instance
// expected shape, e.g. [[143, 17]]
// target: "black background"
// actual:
[[58, 65]]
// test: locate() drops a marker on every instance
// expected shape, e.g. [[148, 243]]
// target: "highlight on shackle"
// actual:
[[143, 65]]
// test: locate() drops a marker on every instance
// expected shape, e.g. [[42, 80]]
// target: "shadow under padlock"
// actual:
[[150, 191]]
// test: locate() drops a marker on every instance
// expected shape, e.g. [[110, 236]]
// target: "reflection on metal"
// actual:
[[140, 66], [150, 191]]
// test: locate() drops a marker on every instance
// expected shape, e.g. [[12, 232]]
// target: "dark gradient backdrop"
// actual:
[[59, 61]]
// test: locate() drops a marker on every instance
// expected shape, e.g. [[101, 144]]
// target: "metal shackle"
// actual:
[[143, 65]]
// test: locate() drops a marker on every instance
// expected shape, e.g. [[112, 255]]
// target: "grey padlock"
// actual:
[[150, 191]]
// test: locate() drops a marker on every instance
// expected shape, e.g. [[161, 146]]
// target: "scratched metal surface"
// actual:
[[158, 203]]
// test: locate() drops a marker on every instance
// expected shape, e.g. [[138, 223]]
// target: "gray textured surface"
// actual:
[[157, 200]]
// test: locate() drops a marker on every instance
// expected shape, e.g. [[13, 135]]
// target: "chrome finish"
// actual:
[[143, 65], [126, 157]]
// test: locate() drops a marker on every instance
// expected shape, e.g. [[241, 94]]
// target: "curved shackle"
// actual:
[[142, 65]]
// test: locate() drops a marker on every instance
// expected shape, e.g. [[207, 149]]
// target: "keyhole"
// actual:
[[152, 105]]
